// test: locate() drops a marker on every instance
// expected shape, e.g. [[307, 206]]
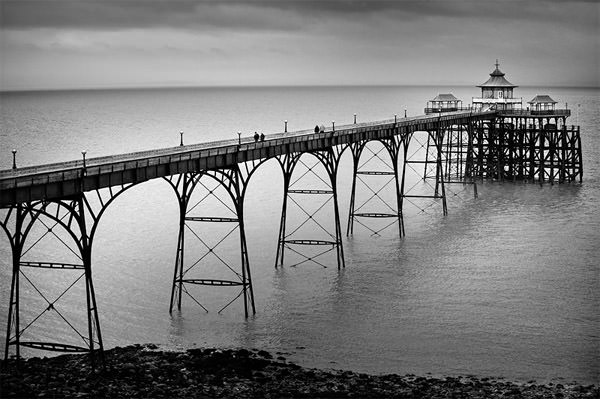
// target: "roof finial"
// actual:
[[497, 64]]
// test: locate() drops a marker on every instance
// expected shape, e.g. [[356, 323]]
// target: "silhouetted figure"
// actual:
[[316, 128], [262, 137], [255, 137]]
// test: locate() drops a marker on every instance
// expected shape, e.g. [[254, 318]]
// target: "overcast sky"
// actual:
[[130, 43]]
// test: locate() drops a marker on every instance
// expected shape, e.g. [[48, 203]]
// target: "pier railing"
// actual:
[[437, 110], [530, 112]]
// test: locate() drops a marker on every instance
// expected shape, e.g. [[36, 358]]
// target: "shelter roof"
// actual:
[[497, 79], [542, 99], [445, 97]]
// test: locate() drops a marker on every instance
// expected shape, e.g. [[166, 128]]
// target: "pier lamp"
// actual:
[[395, 118], [239, 138], [285, 130], [355, 119], [405, 112], [83, 153], [14, 152], [333, 124], [181, 134]]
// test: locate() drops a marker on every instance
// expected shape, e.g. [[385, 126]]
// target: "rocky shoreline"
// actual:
[[145, 371]]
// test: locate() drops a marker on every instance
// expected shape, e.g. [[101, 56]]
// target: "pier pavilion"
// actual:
[[497, 93], [443, 103]]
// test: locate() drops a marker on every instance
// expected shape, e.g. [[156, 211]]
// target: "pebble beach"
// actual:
[[146, 371]]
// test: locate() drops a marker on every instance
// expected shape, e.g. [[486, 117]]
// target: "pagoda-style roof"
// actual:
[[542, 99], [497, 79], [445, 97]]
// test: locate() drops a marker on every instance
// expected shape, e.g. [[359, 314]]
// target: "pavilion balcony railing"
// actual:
[[437, 110], [533, 112]]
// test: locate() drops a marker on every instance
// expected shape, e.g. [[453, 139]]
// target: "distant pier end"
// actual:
[[531, 143]]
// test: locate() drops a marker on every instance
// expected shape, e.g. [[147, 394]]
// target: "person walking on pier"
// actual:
[[255, 137], [262, 137]]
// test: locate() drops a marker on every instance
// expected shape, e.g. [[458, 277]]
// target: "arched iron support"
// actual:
[[392, 146], [329, 159], [435, 140], [70, 215], [234, 181]]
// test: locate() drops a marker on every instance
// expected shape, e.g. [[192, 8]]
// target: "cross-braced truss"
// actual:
[[295, 188], [418, 151], [70, 224], [377, 173], [226, 188]]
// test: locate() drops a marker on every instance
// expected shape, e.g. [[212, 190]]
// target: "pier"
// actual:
[[460, 146]]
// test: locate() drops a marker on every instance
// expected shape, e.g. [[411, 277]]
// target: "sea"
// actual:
[[507, 285]]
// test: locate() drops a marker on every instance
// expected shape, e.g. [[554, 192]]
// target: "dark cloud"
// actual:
[[195, 14]]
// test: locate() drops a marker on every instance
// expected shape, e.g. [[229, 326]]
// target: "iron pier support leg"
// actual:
[[12, 324], [439, 175], [281, 238], [338, 225], [92, 308], [405, 142], [426, 157], [356, 150], [248, 291], [177, 286], [399, 188]]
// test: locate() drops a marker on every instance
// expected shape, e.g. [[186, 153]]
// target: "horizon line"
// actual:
[[166, 87]]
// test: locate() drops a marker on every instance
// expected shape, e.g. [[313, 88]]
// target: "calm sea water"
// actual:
[[505, 285]]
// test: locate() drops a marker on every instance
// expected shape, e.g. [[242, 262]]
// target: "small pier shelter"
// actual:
[[542, 104], [443, 103], [497, 93]]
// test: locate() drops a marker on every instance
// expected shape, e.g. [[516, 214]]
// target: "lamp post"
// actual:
[[14, 152], [239, 138], [333, 124], [405, 112], [395, 118], [285, 130], [181, 134], [83, 153], [355, 119]]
